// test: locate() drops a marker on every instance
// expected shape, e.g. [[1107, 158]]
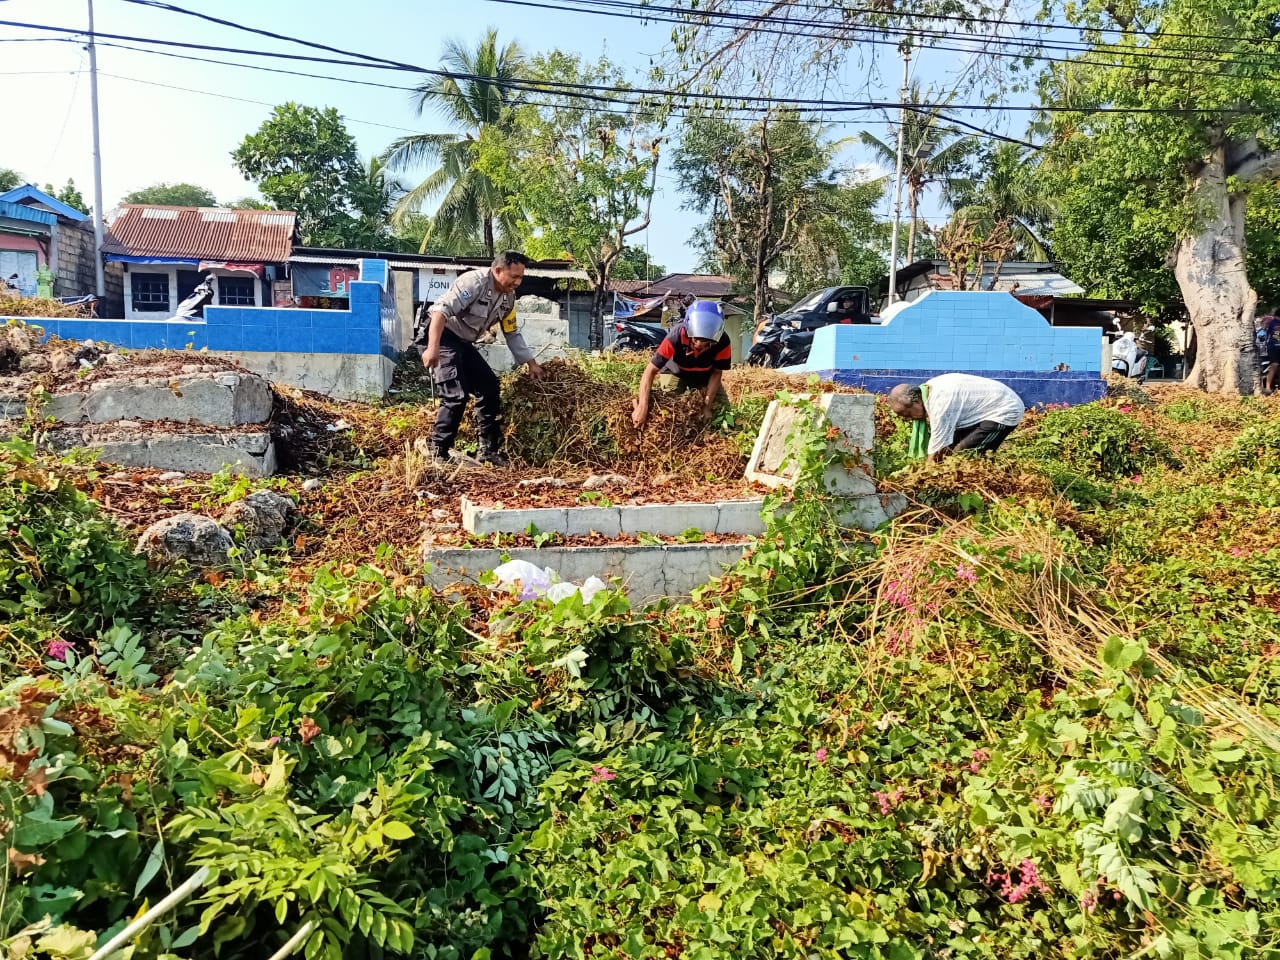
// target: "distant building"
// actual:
[[37, 230], [166, 252]]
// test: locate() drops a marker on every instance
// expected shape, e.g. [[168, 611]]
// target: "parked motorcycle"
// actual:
[[635, 335], [780, 344]]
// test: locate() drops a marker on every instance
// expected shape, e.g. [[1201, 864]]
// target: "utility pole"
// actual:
[[897, 175], [97, 161]]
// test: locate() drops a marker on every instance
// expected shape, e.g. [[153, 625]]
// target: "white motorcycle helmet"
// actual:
[[704, 320]]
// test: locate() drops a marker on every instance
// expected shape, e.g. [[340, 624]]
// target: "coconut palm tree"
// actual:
[[934, 153], [478, 99], [1009, 191]]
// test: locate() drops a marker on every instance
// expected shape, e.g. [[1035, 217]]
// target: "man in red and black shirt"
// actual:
[[694, 356]]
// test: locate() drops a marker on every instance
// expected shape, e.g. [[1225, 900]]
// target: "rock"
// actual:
[[200, 541], [312, 485], [34, 363], [115, 359], [61, 361], [664, 480], [438, 514], [598, 481], [260, 519], [88, 353], [173, 476], [16, 341]]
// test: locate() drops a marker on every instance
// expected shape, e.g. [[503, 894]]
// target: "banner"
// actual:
[[625, 307]]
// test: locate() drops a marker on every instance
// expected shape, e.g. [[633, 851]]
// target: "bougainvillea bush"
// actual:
[[1033, 719]]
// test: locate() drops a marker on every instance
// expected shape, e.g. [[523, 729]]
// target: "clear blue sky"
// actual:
[[167, 119]]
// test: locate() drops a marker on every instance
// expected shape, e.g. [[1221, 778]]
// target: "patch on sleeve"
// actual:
[[509, 322]]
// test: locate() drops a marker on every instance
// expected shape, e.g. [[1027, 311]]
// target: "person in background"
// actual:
[[1269, 346], [957, 412], [694, 356], [475, 303]]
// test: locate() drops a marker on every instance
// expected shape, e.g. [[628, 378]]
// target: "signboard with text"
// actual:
[[434, 282]]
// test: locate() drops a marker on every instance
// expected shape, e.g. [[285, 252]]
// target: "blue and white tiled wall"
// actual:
[[988, 334], [367, 328]]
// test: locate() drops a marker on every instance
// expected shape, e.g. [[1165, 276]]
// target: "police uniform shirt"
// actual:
[[675, 356], [472, 306]]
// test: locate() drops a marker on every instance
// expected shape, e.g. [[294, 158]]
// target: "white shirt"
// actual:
[[958, 400]]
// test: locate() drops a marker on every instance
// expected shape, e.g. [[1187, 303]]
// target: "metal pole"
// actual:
[[897, 177], [97, 162], [192, 884]]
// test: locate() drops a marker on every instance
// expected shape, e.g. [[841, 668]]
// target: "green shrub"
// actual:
[[1257, 448], [61, 562], [1100, 442]]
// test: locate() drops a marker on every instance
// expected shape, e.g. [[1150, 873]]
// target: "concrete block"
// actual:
[[342, 376], [222, 400], [740, 517], [584, 521], [484, 521], [250, 453], [669, 519], [647, 572]]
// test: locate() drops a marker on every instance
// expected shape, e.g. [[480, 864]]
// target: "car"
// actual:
[[829, 305]]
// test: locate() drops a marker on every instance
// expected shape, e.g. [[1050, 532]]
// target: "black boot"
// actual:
[[491, 452]]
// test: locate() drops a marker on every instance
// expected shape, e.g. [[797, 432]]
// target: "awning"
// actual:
[[156, 261]]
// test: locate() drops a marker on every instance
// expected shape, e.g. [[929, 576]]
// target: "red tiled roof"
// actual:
[[203, 233]]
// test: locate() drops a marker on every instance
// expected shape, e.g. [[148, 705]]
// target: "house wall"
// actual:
[[171, 271], [22, 255], [74, 274], [988, 334], [345, 353]]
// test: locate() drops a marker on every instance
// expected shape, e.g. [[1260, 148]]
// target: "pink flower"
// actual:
[[966, 573], [980, 757], [59, 649], [1044, 802], [1136, 478], [887, 801], [1125, 409], [1089, 901], [1029, 882], [602, 774], [820, 754], [273, 741], [1237, 552]]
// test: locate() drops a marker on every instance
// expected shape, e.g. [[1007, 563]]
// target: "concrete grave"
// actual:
[[647, 572], [853, 415]]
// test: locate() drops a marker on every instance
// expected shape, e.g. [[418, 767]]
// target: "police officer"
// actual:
[[476, 301]]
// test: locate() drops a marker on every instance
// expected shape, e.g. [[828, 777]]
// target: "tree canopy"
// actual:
[[581, 180], [174, 195], [1191, 133], [303, 159], [473, 214]]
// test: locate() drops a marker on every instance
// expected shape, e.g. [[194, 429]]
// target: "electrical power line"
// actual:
[[879, 34]]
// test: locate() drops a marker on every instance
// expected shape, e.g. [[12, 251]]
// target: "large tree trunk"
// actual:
[[1210, 268], [489, 248]]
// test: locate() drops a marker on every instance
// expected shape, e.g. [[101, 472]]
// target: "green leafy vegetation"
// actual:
[[1041, 724]]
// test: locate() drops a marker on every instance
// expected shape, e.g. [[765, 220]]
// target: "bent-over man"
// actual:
[[957, 412], [476, 301], [694, 356]]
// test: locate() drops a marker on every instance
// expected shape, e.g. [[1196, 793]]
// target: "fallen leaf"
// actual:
[[23, 863], [37, 781], [308, 730]]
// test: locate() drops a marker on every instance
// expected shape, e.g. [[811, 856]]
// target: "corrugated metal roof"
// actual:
[[203, 233], [18, 211]]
